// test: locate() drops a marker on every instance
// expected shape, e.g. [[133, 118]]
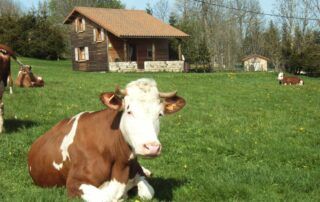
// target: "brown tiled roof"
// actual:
[[127, 23], [254, 56]]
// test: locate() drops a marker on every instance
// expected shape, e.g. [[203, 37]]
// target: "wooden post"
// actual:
[[125, 51], [179, 49], [153, 52]]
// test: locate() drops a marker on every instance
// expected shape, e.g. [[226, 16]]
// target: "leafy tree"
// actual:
[[149, 9], [271, 45], [60, 9], [173, 19]]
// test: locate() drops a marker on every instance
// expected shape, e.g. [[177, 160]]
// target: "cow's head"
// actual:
[[142, 105], [280, 76], [5, 50]]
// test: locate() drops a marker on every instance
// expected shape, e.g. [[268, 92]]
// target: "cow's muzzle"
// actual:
[[152, 149]]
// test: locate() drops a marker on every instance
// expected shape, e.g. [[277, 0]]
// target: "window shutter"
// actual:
[[102, 34], [76, 54], [94, 34], [76, 24], [83, 24], [86, 52]]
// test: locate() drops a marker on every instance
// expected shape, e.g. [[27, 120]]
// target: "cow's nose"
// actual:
[[153, 148]]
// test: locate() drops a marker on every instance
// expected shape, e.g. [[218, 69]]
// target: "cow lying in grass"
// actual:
[[283, 80], [95, 153], [27, 79]]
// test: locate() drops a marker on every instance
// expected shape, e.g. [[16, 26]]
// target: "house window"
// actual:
[[149, 53], [81, 54], [80, 25], [98, 35]]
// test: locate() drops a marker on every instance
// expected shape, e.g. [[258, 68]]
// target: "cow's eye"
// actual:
[[160, 114], [129, 112]]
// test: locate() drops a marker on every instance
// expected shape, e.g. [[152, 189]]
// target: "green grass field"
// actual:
[[241, 136]]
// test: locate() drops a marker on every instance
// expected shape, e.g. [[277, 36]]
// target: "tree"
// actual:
[[271, 45], [161, 10], [33, 34], [9, 7], [60, 9], [149, 9]]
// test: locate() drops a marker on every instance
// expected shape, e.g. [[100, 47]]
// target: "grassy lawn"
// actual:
[[241, 136]]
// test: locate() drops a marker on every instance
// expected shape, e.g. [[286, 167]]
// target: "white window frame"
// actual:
[[80, 28], [96, 37], [81, 50]]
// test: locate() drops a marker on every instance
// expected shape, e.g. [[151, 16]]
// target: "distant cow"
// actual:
[[95, 153], [284, 80], [5, 76], [26, 78]]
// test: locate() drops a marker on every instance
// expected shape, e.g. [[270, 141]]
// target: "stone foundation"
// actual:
[[123, 66], [149, 66], [163, 66]]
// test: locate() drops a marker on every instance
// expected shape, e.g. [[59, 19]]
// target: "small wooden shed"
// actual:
[[255, 62], [118, 39]]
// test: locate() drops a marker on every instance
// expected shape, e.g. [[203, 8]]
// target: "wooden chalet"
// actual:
[[121, 40]]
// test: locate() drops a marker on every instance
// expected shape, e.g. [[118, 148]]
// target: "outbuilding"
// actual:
[[121, 40], [255, 63]]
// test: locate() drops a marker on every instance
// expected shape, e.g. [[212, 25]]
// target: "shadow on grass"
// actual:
[[14, 125], [163, 188]]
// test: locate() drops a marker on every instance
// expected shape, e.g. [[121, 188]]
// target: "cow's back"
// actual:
[[44, 152], [291, 80]]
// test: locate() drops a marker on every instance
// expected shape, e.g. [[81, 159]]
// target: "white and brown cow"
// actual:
[[95, 153], [27, 79], [284, 80], [5, 76]]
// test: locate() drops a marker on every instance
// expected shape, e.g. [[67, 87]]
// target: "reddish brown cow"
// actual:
[[27, 79], [5, 75], [95, 153], [284, 80]]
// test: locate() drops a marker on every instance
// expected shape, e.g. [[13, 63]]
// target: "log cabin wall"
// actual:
[[98, 59]]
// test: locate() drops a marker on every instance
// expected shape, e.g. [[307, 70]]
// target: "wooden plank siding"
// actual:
[[116, 50], [112, 48], [98, 60]]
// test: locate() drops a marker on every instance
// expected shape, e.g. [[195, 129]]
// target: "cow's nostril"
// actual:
[[153, 147]]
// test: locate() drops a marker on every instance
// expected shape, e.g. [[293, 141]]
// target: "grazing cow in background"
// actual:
[[27, 79], [5, 76], [95, 153], [284, 80]]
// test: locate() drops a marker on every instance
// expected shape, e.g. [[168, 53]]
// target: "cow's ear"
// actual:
[[111, 100], [173, 104]]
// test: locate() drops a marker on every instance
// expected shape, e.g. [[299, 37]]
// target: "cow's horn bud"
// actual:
[[167, 94], [120, 91]]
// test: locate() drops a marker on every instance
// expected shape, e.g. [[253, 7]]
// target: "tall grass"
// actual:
[[241, 136]]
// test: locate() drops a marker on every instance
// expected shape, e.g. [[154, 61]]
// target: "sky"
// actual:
[[266, 5]]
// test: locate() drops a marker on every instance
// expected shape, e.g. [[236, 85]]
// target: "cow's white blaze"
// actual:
[[68, 139], [140, 123]]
